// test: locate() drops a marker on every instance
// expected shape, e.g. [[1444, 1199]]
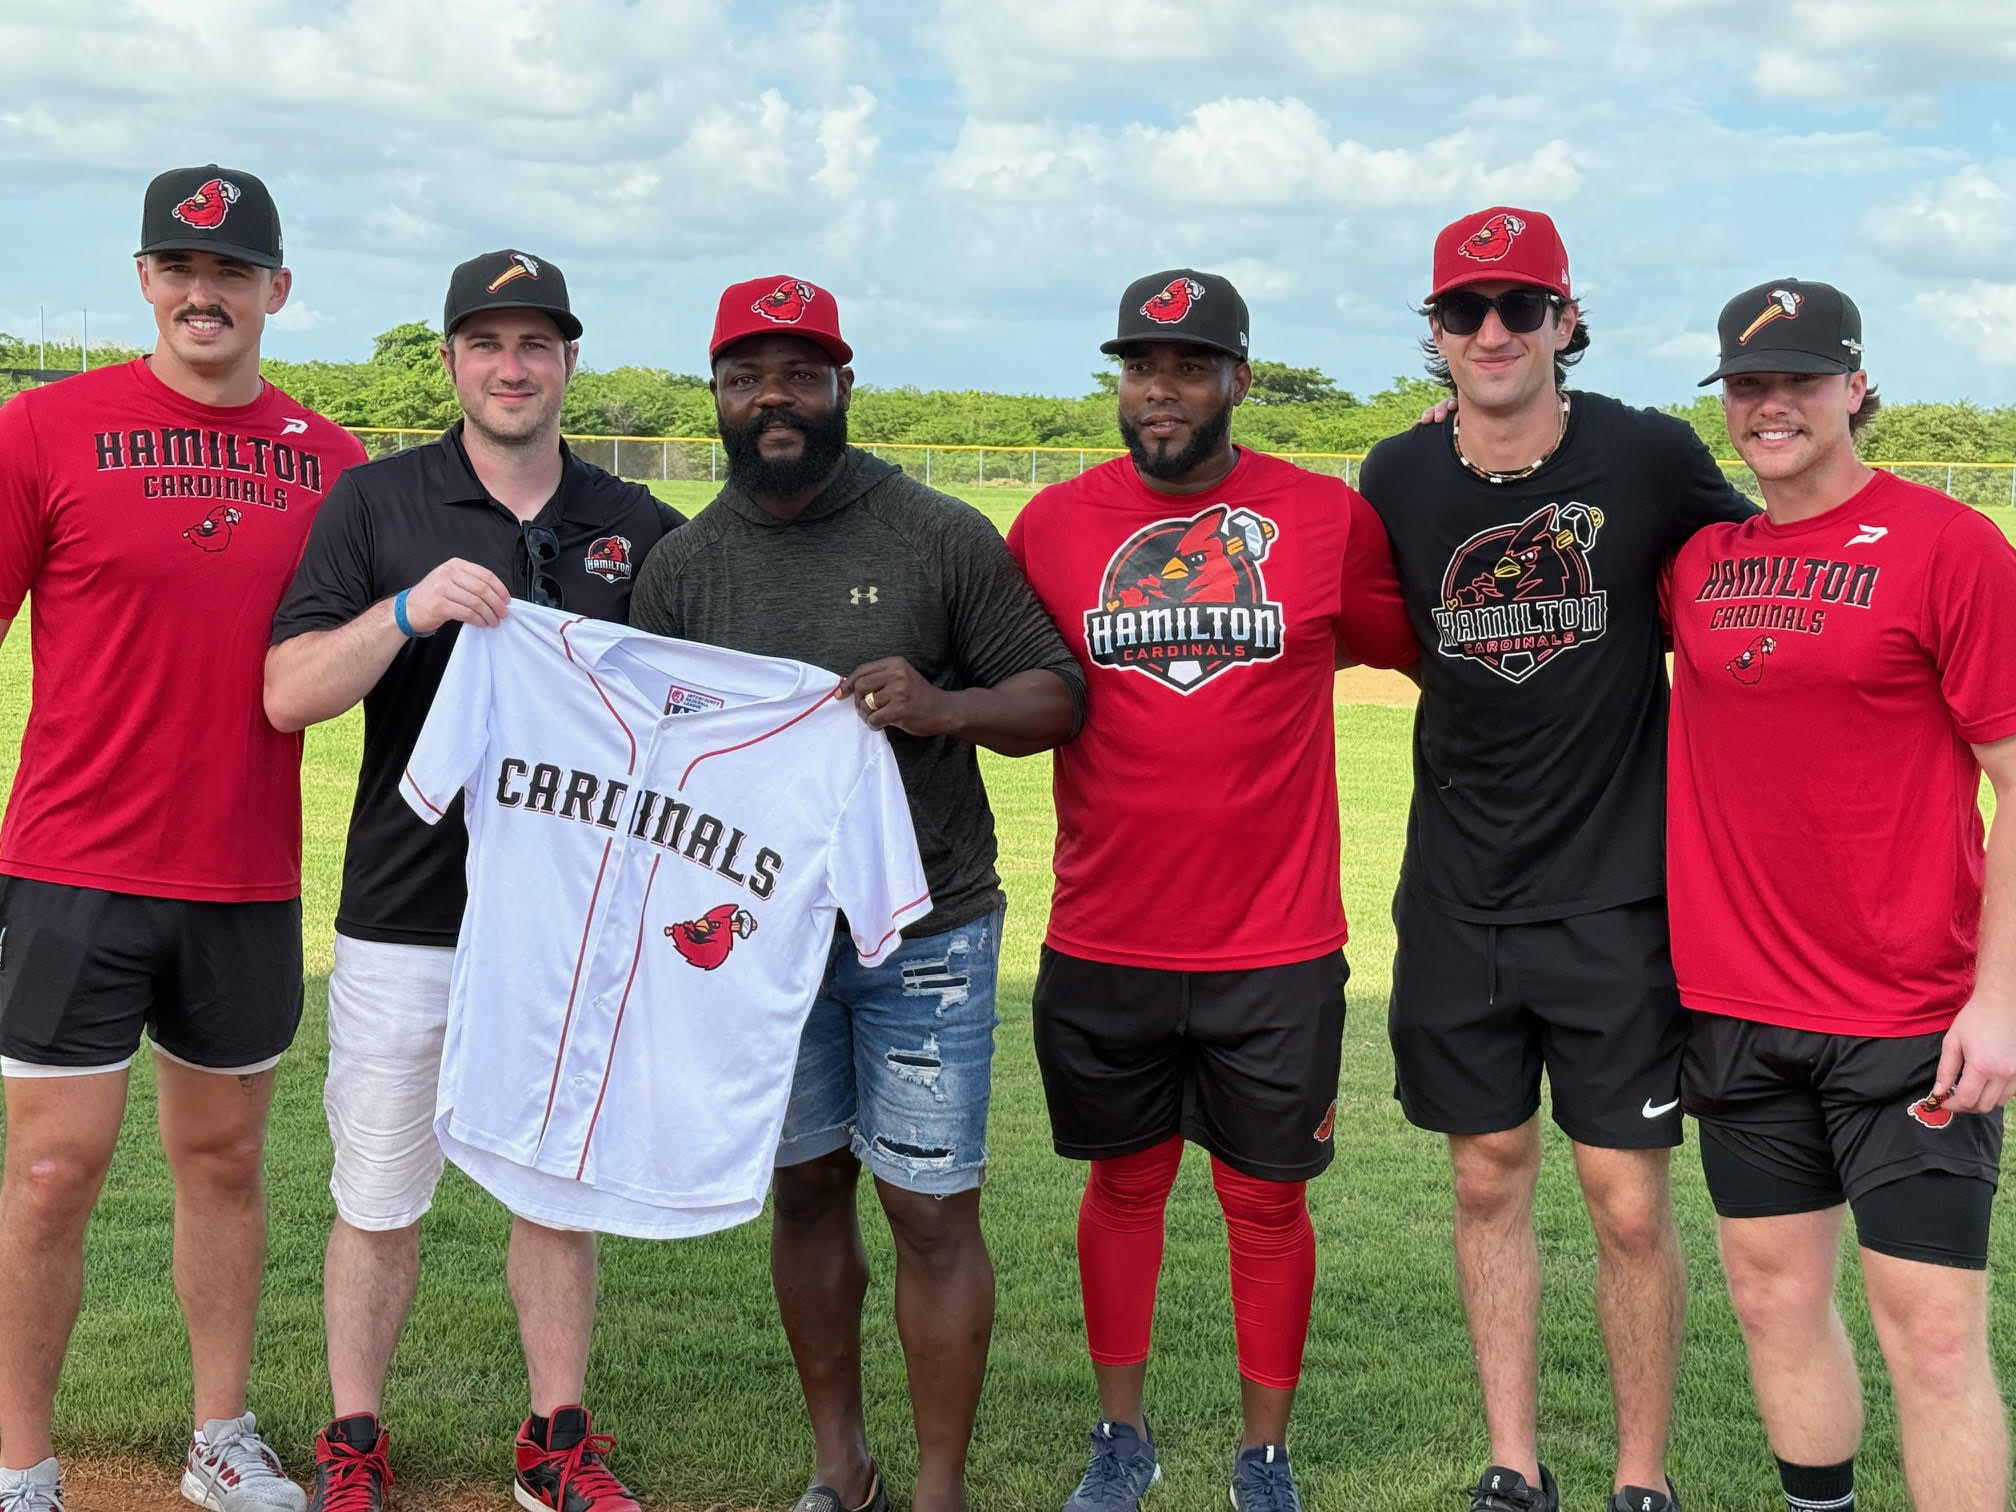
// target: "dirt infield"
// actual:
[[1370, 685], [141, 1485]]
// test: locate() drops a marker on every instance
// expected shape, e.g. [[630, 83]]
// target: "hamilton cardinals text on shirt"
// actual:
[[1824, 840], [153, 537], [660, 836]]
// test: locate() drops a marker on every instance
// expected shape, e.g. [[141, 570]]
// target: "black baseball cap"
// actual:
[[1182, 305], [508, 280], [211, 209], [1789, 326]]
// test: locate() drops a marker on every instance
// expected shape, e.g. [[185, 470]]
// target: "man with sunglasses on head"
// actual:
[[408, 548], [1530, 532]]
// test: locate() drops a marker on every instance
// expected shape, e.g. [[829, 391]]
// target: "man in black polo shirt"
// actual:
[[407, 548], [817, 551]]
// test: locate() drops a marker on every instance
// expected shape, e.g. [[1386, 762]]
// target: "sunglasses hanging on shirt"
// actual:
[[542, 546], [1520, 311]]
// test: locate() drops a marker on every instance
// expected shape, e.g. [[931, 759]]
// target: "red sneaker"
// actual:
[[566, 1473], [352, 1473]]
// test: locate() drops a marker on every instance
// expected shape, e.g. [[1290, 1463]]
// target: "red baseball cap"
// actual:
[[1500, 245], [779, 306]]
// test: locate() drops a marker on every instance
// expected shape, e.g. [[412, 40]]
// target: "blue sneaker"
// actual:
[[1123, 1467], [1261, 1481]]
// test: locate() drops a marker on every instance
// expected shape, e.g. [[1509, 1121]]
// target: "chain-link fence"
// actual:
[[698, 459]]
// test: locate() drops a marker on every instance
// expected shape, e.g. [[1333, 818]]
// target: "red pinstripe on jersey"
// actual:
[[573, 991], [643, 908], [805, 713], [627, 734]]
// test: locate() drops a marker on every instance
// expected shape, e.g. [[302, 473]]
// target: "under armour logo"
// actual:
[[861, 596]]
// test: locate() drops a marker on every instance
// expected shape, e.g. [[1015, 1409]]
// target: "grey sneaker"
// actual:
[[1502, 1490], [36, 1489], [230, 1469], [1122, 1468], [1262, 1482]]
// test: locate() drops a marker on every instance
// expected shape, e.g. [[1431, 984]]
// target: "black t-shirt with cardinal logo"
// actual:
[[385, 526], [1540, 740]]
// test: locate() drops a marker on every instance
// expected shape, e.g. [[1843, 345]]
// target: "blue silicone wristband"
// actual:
[[399, 618]]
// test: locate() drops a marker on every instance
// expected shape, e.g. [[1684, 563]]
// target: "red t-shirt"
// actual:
[[1824, 840], [155, 536], [1197, 809]]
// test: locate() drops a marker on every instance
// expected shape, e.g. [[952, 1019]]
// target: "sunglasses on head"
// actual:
[[1519, 310], [542, 545]]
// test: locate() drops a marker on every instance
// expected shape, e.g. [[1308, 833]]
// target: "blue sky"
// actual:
[[977, 181]]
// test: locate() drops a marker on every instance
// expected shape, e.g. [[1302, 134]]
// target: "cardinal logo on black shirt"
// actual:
[[1183, 600], [1516, 596], [609, 558]]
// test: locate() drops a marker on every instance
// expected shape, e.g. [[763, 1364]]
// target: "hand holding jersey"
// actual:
[[1841, 682]]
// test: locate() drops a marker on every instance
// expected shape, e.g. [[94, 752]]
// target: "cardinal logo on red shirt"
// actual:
[[1516, 596], [1173, 303], [213, 531], [609, 558], [787, 303], [207, 207], [1747, 665], [1492, 240], [1183, 600], [706, 941]]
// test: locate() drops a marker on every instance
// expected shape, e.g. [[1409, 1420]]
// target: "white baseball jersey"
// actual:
[[660, 834]]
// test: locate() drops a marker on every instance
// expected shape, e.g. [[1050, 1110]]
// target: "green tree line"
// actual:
[[1290, 409]]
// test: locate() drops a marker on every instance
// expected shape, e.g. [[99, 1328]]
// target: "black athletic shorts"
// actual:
[[1479, 1009], [83, 972], [1243, 1063], [1837, 1114]]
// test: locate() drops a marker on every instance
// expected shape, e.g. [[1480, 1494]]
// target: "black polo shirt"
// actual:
[[385, 526]]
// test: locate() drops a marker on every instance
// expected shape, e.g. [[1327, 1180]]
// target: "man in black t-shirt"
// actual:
[[405, 549], [1529, 533]]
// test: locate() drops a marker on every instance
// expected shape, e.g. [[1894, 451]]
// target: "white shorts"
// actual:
[[388, 1016]]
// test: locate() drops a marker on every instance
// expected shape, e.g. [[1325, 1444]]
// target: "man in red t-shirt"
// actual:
[[150, 863], [1192, 984], [1841, 681]]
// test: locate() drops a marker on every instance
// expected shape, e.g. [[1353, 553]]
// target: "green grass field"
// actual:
[[690, 1368]]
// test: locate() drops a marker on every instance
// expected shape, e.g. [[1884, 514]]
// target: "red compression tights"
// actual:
[[1120, 1258]]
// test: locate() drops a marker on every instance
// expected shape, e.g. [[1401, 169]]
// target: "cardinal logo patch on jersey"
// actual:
[[1492, 240], [213, 531], [1186, 599], [786, 304], [207, 207], [706, 941], [1173, 303], [609, 558], [1516, 596]]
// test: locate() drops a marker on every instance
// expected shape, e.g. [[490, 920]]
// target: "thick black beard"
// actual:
[[1206, 439], [759, 476]]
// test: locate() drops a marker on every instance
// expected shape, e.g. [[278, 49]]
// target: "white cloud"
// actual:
[[1687, 345], [1963, 224], [1978, 317], [296, 315]]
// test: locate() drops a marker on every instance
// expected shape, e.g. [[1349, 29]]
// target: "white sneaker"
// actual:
[[230, 1469], [39, 1489]]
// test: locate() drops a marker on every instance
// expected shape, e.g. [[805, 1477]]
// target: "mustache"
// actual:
[[203, 312], [779, 419]]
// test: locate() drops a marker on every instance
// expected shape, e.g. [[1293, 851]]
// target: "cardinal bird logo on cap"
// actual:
[[1174, 302], [1747, 665], [1492, 240], [787, 303], [1929, 1111], [706, 941], [1784, 306], [207, 207], [521, 267], [213, 531]]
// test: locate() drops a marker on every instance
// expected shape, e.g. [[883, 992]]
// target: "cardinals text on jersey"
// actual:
[[653, 884], [1516, 596], [1183, 600]]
